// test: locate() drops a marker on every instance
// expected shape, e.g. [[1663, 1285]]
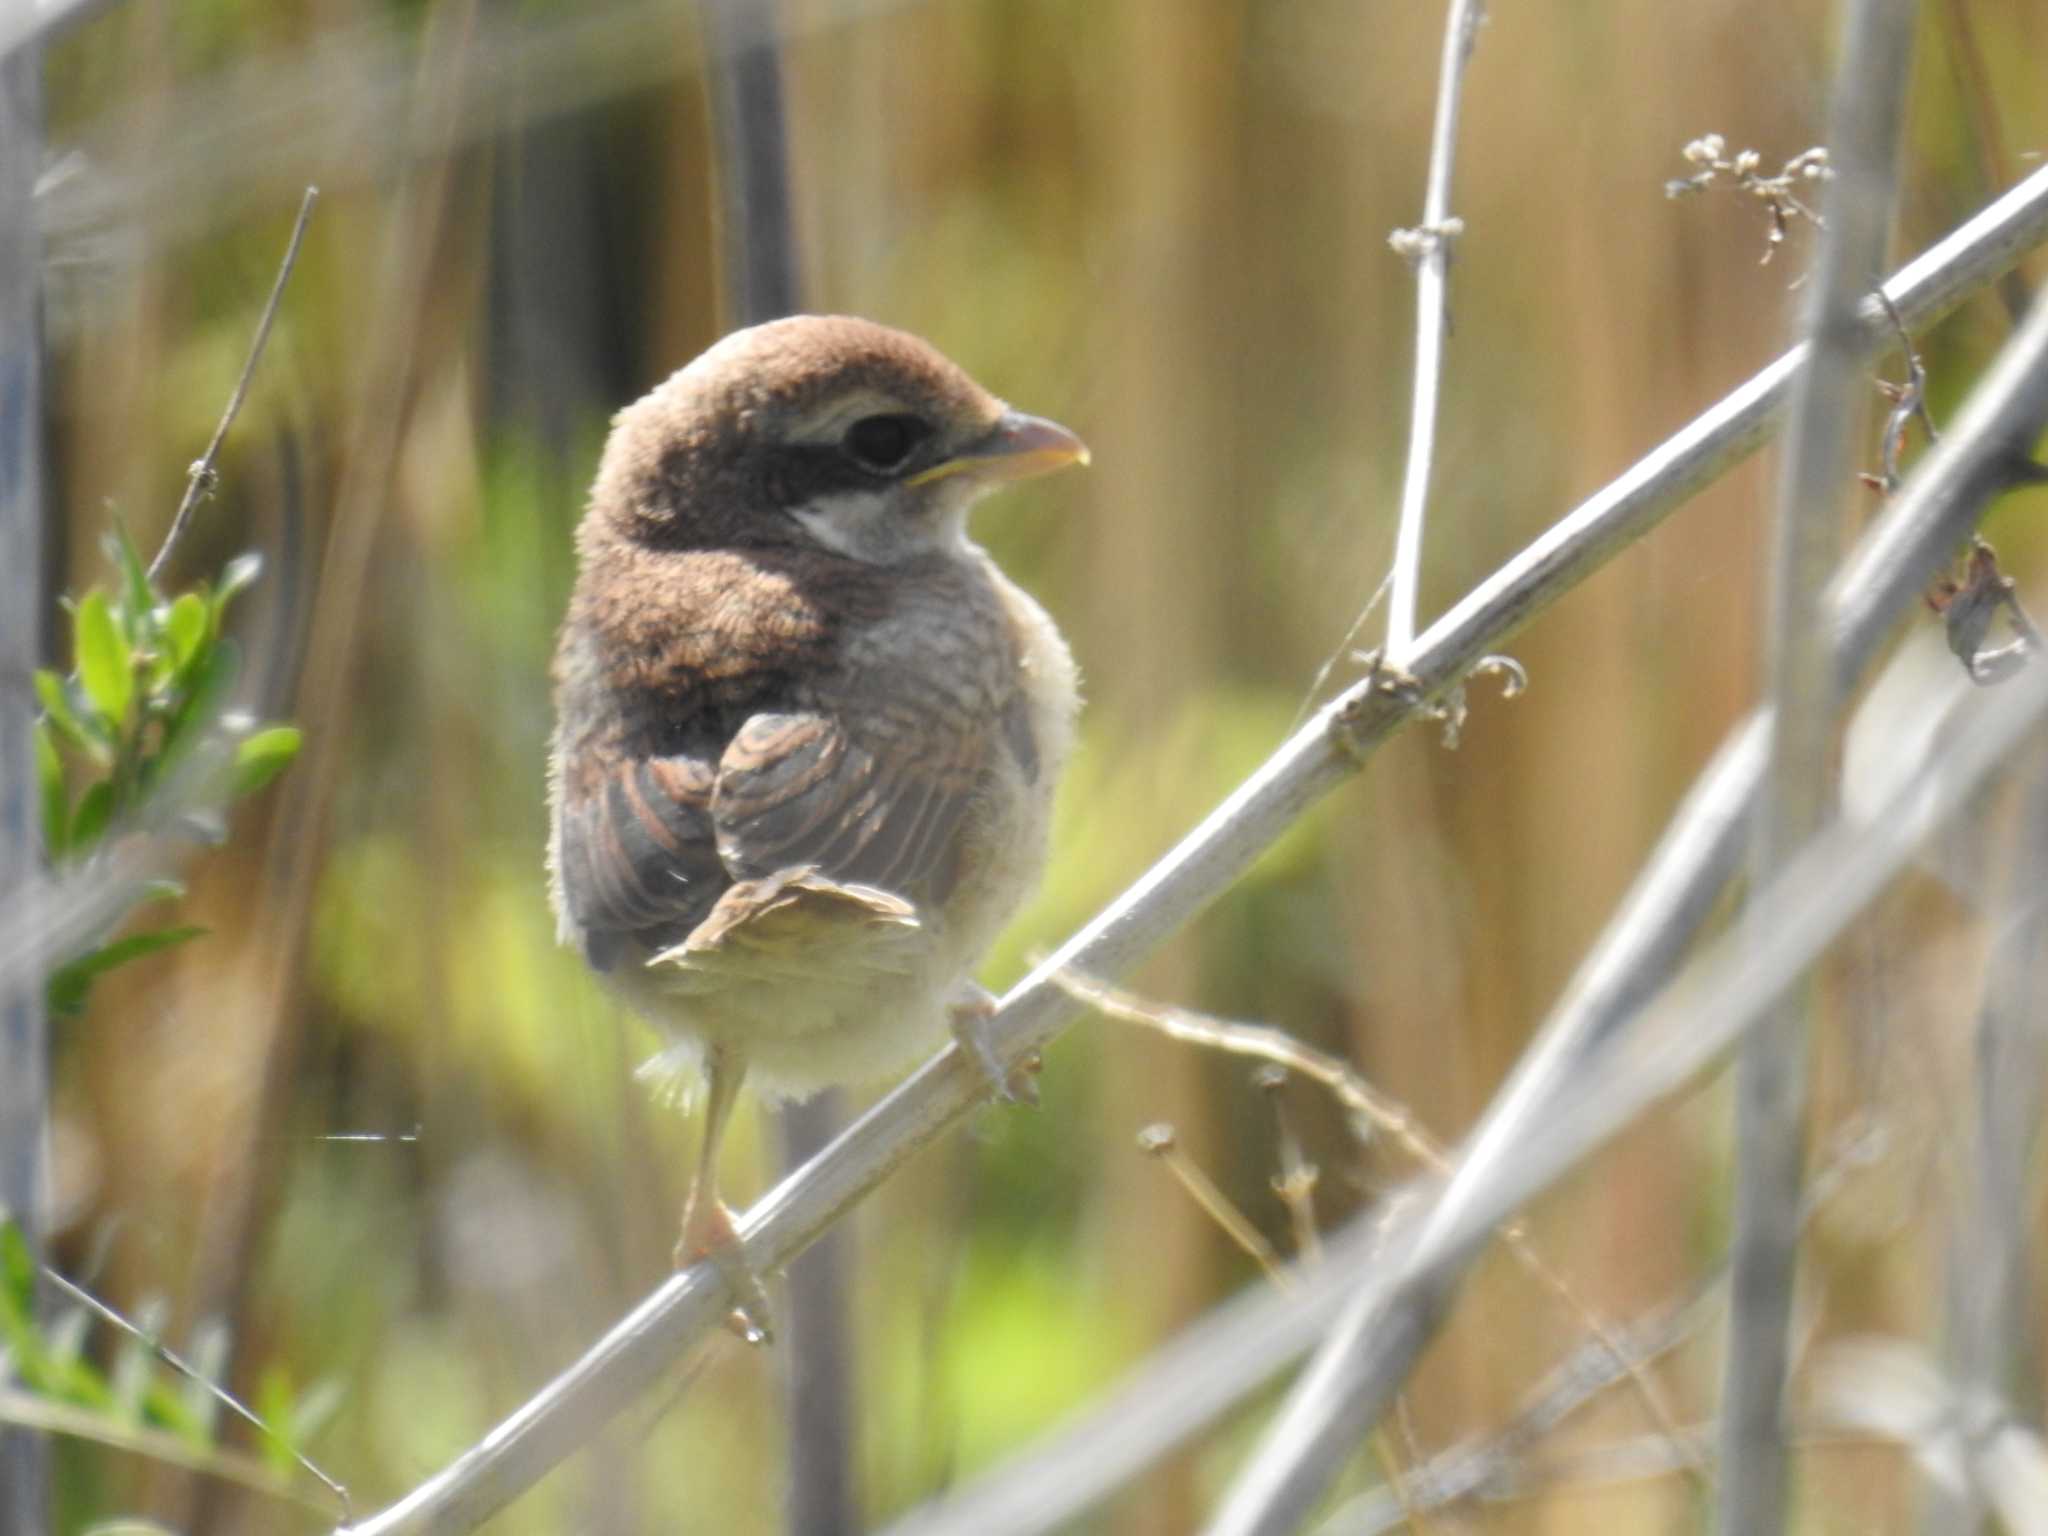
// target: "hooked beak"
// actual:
[[1015, 448]]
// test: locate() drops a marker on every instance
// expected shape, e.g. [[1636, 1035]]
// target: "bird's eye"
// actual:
[[884, 442]]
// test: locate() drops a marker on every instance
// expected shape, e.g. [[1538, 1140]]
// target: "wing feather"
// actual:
[[799, 789]]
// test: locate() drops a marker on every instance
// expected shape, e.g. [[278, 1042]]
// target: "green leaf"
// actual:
[[185, 630], [315, 1409], [129, 1376], [241, 574], [167, 1407], [64, 1336], [208, 1357], [48, 1357], [212, 680], [69, 984], [56, 701], [103, 660], [208, 688], [18, 1301], [89, 820], [138, 599], [17, 1269], [273, 1405], [263, 756], [56, 799]]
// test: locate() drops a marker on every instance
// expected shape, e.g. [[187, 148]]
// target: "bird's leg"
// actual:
[[708, 1231], [968, 1015]]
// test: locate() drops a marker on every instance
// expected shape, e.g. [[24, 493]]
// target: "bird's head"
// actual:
[[818, 430]]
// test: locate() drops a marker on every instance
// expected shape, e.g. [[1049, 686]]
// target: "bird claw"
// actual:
[[708, 1233], [968, 1016]]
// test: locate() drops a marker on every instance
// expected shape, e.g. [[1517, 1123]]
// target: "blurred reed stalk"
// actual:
[[1993, 1296], [750, 124], [1797, 795], [24, 1043]]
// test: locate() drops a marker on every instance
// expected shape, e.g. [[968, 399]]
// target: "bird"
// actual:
[[807, 734]]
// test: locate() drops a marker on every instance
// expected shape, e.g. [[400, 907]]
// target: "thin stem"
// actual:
[[47, 1416], [1383, 1113], [1364, 1362], [192, 1373], [1796, 793], [201, 478], [1161, 1142], [1206, 1370], [1295, 1183], [1429, 248], [1582, 1375]]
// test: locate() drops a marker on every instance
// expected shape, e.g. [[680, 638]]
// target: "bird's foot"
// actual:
[[708, 1233], [968, 1015]]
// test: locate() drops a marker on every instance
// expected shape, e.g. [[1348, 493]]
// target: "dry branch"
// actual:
[[1429, 248], [1796, 798], [201, 477], [1373, 1351]]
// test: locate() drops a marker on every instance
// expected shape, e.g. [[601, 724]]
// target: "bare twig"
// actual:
[[1726, 991], [1261, 1042], [1428, 249], [29, 1412], [1375, 1109], [1781, 202], [1909, 401], [1796, 794], [1481, 1467], [1207, 1368], [1160, 1142], [1345, 651], [178, 1363], [1295, 1183], [642, 1347], [1373, 1351], [202, 477]]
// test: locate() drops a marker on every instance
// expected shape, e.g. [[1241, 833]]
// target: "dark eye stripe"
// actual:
[[885, 442]]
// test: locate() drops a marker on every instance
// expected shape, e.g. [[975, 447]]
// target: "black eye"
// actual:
[[884, 442]]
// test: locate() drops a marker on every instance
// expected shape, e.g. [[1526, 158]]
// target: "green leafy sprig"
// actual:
[[144, 1398], [153, 676]]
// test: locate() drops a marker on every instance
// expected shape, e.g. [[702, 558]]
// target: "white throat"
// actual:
[[871, 526]]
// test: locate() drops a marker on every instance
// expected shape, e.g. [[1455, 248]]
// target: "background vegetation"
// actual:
[[375, 1130]]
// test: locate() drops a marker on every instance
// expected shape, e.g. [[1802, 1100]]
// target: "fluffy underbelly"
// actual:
[[804, 1033]]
